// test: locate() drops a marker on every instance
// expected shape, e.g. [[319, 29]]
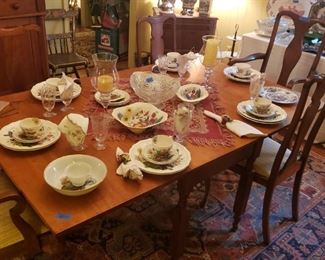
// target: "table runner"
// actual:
[[203, 131]]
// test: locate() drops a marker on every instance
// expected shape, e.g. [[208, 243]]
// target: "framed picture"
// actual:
[[204, 7]]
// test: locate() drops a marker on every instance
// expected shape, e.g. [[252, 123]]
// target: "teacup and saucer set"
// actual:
[[261, 110], [241, 72], [160, 155], [30, 130]]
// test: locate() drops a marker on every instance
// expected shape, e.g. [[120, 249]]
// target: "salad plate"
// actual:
[[230, 73], [18, 134], [250, 109], [279, 113], [8, 141], [118, 98], [55, 174], [152, 155], [280, 95], [182, 162], [36, 91]]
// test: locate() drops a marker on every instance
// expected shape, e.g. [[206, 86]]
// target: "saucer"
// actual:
[[150, 154], [119, 98], [250, 109], [19, 136], [242, 76]]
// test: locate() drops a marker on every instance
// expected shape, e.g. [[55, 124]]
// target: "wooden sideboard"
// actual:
[[189, 32], [23, 47]]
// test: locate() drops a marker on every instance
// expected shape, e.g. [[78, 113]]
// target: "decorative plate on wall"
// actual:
[[300, 7]]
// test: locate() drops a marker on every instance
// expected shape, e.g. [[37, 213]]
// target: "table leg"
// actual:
[[180, 221]]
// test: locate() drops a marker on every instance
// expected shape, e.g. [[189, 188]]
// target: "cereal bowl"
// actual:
[[138, 117], [192, 93]]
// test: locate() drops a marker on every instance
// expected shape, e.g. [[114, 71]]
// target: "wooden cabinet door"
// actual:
[[22, 50]]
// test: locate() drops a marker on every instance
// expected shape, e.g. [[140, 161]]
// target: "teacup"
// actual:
[[262, 105], [172, 57], [32, 127], [78, 173], [53, 82], [162, 143], [243, 69]]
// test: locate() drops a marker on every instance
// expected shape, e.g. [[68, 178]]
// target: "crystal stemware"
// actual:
[[100, 123], [257, 81], [66, 97], [48, 96], [182, 120]]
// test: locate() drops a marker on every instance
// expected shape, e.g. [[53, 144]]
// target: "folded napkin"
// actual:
[[65, 84], [3, 104], [74, 127], [237, 127], [128, 168]]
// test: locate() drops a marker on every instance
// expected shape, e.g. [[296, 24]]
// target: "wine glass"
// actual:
[[66, 97], [162, 64], [182, 66], [48, 95], [100, 123], [257, 81], [182, 120]]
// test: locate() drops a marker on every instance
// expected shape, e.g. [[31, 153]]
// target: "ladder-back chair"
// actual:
[[294, 49], [61, 50], [278, 161]]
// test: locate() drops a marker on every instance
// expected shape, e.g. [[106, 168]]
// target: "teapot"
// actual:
[[166, 5]]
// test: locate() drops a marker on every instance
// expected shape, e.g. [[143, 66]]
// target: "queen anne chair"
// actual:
[[278, 161], [61, 50], [157, 30], [19, 225], [293, 51]]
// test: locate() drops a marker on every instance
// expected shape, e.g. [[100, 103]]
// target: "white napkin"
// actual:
[[128, 168], [237, 127], [65, 84], [3, 104], [74, 127]]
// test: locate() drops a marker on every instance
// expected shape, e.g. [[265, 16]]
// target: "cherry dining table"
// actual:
[[25, 169]]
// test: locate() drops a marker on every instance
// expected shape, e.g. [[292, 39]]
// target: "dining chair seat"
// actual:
[[263, 164], [12, 241]]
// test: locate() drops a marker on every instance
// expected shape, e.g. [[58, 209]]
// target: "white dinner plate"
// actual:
[[279, 113], [54, 173], [280, 95], [116, 102], [36, 91], [10, 143], [231, 71], [178, 165]]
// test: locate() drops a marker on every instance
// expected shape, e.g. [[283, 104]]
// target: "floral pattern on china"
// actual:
[[139, 116]]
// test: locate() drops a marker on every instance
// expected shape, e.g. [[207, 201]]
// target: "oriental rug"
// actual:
[[141, 230]]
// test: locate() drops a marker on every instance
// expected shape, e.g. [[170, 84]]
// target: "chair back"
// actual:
[[294, 50], [157, 30], [62, 42], [306, 122]]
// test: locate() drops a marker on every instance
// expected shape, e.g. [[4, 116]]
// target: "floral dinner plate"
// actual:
[[181, 163], [7, 141], [280, 95]]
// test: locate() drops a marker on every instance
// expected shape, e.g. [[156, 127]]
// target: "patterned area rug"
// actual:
[[141, 230]]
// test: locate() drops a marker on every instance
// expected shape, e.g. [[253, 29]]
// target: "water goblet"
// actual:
[[163, 64], [66, 97], [257, 81], [182, 67], [48, 96], [100, 123], [182, 120]]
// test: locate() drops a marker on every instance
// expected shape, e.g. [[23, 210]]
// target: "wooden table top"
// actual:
[[62, 213]]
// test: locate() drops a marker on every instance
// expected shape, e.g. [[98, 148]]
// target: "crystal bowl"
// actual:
[[154, 88]]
